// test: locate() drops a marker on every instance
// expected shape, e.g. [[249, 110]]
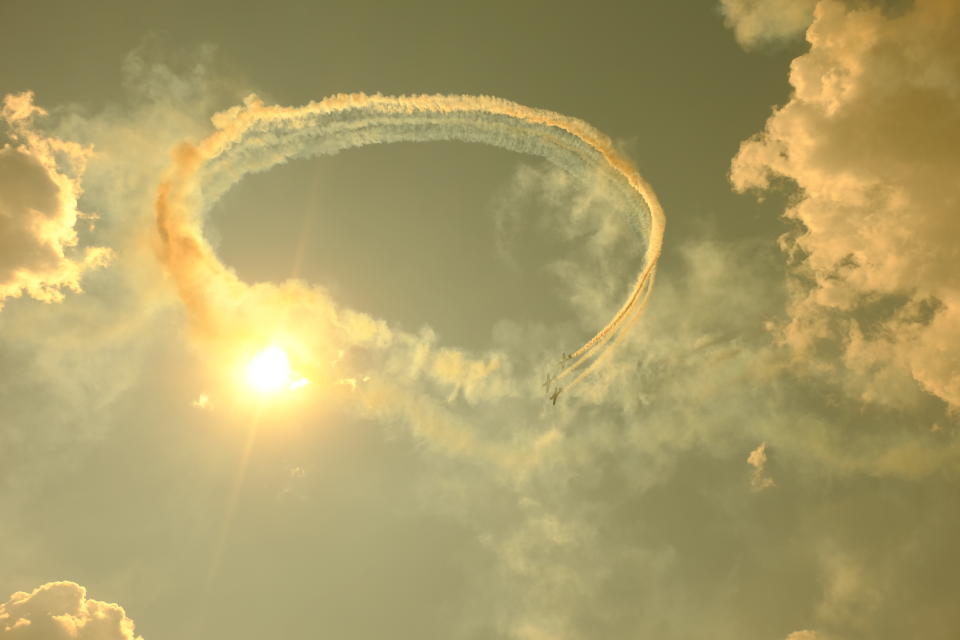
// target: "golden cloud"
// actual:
[[871, 137], [39, 187], [62, 611]]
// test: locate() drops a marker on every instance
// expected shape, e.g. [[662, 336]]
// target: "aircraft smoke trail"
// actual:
[[254, 137]]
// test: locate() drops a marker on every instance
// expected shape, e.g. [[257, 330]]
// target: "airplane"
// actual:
[[556, 394], [546, 383]]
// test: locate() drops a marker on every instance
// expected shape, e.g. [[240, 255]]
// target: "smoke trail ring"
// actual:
[[255, 137]]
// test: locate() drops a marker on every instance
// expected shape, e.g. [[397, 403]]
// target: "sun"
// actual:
[[269, 370]]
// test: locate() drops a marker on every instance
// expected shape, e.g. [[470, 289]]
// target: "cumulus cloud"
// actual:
[[39, 187], [870, 137], [62, 611], [758, 22]]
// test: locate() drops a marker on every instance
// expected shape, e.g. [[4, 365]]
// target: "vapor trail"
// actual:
[[255, 137]]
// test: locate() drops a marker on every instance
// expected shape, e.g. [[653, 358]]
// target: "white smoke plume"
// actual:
[[255, 137]]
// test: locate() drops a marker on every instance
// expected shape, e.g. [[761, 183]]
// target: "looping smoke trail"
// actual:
[[255, 137]]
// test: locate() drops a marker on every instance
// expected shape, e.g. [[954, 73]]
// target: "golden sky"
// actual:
[[284, 356]]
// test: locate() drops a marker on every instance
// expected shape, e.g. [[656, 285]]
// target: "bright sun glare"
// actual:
[[269, 371]]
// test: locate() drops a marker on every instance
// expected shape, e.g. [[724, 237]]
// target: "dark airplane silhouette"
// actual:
[[556, 394], [546, 383]]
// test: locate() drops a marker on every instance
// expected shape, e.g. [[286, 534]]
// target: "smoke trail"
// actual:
[[255, 137]]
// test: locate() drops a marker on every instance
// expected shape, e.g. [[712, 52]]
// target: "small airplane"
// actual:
[[556, 394], [547, 382]]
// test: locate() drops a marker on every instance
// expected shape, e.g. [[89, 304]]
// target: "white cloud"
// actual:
[[39, 187], [871, 137], [62, 611], [757, 22]]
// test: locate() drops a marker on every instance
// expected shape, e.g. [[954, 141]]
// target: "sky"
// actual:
[[764, 446]]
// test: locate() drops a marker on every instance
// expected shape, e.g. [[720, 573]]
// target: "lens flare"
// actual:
[[269, 371]]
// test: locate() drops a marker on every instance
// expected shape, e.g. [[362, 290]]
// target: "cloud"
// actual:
[[39, 187], [851, 594], [617, 512], [757, 459], [83, 353], [62, 611], [871, 139], [699, 381], [759, 22]]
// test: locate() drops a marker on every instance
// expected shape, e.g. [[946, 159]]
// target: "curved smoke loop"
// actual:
[[255, 137]]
